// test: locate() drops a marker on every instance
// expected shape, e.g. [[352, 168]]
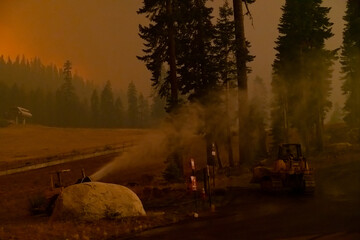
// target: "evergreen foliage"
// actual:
[[224, 45], [95, 108], [350, 60], [107, 108], [301, 71], [157, 111], [196, 62], [204, 55], [67, 101], [160, 48], [144, 111], [133, 108], [56, 97], [119, 113], [194, 34]]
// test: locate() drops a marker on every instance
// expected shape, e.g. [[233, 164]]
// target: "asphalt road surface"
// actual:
[[332, 213]]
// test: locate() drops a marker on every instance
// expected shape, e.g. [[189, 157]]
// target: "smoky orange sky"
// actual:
[[101, 39]]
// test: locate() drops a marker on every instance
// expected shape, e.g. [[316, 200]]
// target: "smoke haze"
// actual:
[[101, 37]]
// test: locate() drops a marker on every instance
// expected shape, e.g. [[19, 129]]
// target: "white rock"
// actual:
[[95, 200]]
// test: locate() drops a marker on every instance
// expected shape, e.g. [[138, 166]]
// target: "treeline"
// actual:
[[206, 60], [302, 71], [56, 97], [196, 61]]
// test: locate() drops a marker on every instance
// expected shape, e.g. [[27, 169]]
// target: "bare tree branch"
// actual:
[[248, 13]]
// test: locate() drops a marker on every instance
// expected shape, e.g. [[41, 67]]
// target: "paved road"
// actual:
[[332, 213]]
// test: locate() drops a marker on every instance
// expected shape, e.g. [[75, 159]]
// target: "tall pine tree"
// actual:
[[119, 113], [241, 53], [350, 60], [67, 100], [160, 47], [195, 60], [107, 110], [144, 111], [95, 108], [301, 72], [132, 110], [224, 52]]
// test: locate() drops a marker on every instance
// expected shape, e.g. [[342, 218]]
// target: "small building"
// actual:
[[19, 114]]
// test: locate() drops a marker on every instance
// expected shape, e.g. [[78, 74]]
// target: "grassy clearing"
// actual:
[[30, 141]]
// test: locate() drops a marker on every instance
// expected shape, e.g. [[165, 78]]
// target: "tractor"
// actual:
[[290, 171]]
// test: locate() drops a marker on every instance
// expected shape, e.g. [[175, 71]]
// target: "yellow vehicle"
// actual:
[[290, 171]]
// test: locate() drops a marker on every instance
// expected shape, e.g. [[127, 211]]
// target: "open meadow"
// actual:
[[19, 142]]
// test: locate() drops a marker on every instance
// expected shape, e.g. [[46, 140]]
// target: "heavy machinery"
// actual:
[[290, 171]]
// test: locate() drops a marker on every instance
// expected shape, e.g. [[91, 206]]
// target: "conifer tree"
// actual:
[[95, 108], [301, 72], [39, 91], [119, 113], [224, 54], [350, 60], [157, 111], [224, 45], [107, 111], [160, 46], [144, 112], [242, 54], [133, 110], [67, 100], [186, 27], [195, 60]]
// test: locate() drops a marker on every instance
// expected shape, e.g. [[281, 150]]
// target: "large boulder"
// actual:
[[95, 200]]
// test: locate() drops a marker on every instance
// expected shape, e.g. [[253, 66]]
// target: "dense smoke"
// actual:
[[186, 132], [155, 147]]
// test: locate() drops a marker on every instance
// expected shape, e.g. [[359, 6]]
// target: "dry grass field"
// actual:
[[141, 165], [20, 142]]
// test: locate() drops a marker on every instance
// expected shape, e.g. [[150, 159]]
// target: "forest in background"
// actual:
[[57, 97], [196, 60], [207, 65]]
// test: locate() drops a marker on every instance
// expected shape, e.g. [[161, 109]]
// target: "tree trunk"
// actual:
[[172, 56], [241, 54], [209, 157], [218, 155], [319, 133], [286, 121], [228, 130]]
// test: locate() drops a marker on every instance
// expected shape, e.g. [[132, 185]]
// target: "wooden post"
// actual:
[[208, 183], [59, 178], [51, 182]]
